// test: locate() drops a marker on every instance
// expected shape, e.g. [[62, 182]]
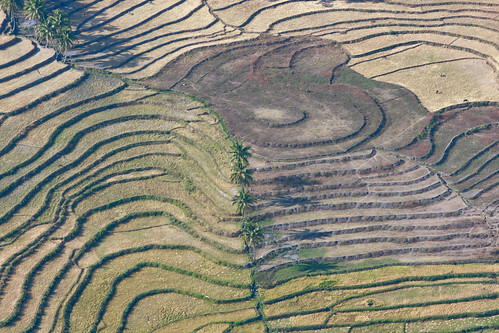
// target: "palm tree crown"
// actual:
[[58, 19], [244, 201], [241, 175], [45, 32], [35, 9], [65, 39], [252, 235], [239, 153]]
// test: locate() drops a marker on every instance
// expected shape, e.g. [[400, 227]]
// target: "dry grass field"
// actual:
[[374, 129], [106, 185]]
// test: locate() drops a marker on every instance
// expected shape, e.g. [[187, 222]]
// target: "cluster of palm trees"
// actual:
[[242, 176], [53, 28]]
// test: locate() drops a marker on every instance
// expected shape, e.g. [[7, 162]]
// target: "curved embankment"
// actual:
[[112, 196], [440, 50], [115, 210], [343, 183]]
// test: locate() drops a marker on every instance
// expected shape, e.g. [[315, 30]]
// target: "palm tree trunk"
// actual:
[[13, 22], [254, 251]]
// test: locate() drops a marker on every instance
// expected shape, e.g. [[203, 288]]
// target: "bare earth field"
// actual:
[[374, 129]]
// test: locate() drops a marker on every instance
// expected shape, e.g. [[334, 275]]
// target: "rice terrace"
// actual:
[[249, 166]]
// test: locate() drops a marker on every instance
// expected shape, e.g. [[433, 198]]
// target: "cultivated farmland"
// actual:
[[373, 127]]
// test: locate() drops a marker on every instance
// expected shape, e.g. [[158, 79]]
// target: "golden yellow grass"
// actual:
[[421, 294], [445, 84], [62, 293], [203, 159], [338, 17], [42, 55], [13, 288], [26, 148], [198, 20], [471, 31], [238, 14], [155, 49], [377, 43], [206, 152], [80, 149], [163, 233], [9, 248], [15, 51], [301, 320], [157, 236], [137, 15], [203, 208], [188, 325], [256, 327], [214, 328], [374, 275], [157, 279], [25, 213], [118, 8], [405, 56], [13, 124], [406, 313], [226, 38], [38, 286], [28, 78], [453, 324], [26, 96], [147, 11], [102, 133], [310, 301], [385, 328], [321, 299], [217, 4], [484, 3], [95, 292]]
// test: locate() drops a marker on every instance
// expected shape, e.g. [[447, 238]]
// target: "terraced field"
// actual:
[[336, 165], [453, 45], [373, 128], [106, 185]]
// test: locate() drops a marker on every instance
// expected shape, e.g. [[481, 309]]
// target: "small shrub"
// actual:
[[188, 185]]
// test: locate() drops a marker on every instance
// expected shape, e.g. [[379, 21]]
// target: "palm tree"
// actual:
[[58, 19], [45, 32], [244, 202], [239, 153], [65, 39], [241, 175], [252, 235], [10, 6], [36, 10]]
